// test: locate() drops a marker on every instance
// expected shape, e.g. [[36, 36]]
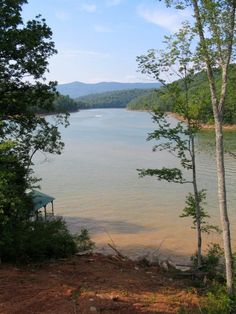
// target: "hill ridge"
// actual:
[[78, 89]]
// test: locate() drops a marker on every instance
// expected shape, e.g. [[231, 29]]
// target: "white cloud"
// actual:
[[168, 19], [102, 29], [62, 15], [86, 53], [113, 2], [88, 7]]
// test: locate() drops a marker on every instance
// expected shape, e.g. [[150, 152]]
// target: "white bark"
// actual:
[[222, 199], [218, 106]]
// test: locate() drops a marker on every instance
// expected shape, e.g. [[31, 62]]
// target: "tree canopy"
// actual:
[[199, 95], [24, 52], [113, 99]]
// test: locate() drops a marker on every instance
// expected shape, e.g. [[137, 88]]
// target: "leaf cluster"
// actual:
[[190, 211]]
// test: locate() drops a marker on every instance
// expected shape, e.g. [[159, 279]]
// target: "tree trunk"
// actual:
[[217, 107], [197, 206], [223, 204]]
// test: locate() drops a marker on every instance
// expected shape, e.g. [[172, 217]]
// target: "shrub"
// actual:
[[212, 262], [37, 241], [217, 301], [83, 241]]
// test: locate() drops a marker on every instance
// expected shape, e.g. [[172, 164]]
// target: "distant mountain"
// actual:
[[78, 89]]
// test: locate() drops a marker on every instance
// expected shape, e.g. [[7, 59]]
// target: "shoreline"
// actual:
[[226, 127], [94, 283]]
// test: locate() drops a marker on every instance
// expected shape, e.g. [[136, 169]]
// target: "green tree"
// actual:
[[216, 49], [65, 104], [24, 52], [179, 140]]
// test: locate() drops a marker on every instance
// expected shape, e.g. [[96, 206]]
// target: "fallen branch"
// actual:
[[117, 252], [232, 154]]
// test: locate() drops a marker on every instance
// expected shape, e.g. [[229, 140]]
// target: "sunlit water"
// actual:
[[96, 184]]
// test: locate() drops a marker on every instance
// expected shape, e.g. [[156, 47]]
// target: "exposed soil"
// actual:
[[226, 127], [92, 283]]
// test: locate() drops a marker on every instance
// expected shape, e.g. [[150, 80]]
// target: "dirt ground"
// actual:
[[92, 283]]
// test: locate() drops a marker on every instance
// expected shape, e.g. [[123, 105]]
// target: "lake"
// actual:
[[96, 184]]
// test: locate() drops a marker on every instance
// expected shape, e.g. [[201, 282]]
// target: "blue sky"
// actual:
[[98, 40]]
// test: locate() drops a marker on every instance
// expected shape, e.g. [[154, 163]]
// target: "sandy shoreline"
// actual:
[[226, 127]]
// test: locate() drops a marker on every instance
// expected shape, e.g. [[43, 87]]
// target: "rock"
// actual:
[[171, 264], [83, 253], [164, 265], [93, 309], [183, 268], [167, 265]]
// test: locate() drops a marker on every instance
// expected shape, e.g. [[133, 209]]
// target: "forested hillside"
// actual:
[[199, 97], [61, 104], [151, 100], [115, 99], [65, 103], [147, 99]]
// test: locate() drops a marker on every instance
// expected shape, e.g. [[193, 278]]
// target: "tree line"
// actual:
[[114, 99], [24, 52], [199, 95], [212, 53]]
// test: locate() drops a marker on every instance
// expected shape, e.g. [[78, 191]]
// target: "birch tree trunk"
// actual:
[[223, 204], [218, 106]]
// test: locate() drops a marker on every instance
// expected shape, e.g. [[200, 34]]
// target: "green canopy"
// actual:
[[40, 199]]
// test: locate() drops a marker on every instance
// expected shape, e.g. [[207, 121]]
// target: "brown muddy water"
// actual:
[[96, 184]]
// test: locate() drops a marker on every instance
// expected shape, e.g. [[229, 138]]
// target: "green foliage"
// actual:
[[214, 28], [199, 99], [212, 262], [200, 94], [14, 203], [190, 211], [178, 139], [153, 100], [83, 241], [65, 104], [167, 174], [24, 52], [217, 301], [115, 99], [25, 49], [175, 139], [61, 104], [213, 257], [36, 241]]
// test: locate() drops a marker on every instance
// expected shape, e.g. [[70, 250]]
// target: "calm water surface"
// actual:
[[96, 184]]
